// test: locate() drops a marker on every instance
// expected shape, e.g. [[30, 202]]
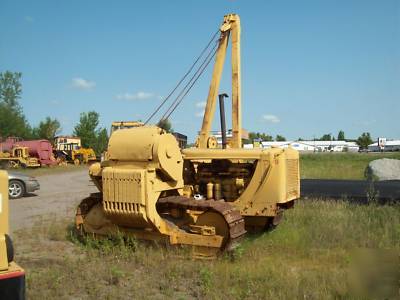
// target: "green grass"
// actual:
[[338, 165], [311, 255], [49, 170]]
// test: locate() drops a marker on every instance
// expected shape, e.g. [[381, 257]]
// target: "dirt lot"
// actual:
[[58, 195]]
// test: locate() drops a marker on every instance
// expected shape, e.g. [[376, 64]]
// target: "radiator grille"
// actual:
[[123, 191], [292, 179]]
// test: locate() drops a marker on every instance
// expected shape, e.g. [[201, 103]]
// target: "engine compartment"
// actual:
[[219, 178]]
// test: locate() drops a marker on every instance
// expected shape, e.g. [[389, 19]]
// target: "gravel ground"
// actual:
[[59, 195]]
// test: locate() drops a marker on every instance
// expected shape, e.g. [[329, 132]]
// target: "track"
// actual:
[[220, 215], [232, 217], [357, 190]]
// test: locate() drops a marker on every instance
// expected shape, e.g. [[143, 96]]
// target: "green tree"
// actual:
[[326, 137], [280, 138], [91, 136], [12, 119], [11, 89], [47, 129], [166, 125], [262, 136], [364, 140], [86, 128], [102, 141], [341, 136]]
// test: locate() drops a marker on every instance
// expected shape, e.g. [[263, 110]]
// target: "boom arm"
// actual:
[[230, 26]]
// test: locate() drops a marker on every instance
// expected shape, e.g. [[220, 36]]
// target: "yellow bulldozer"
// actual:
[[68, 149], [203, 197], [12, 276], [18, 157]]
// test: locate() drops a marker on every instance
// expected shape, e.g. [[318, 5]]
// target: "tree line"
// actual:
[[14, 123], [265, 137], [363, 140]]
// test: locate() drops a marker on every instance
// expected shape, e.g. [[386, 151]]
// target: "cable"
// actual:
[[208, 62], [194, 77], [187, 88], [183, 78]]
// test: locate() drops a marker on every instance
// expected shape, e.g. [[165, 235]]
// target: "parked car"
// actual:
[[20, 184]]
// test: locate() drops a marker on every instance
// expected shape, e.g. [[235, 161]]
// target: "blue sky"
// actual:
[[308, 67]]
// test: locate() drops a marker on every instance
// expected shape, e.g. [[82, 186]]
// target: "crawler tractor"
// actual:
[[204, 197], [69, 150], [12, 276], [18, 157]]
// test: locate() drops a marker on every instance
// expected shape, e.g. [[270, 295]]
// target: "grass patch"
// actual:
[[309, 255], [49, 170], [338, 165]]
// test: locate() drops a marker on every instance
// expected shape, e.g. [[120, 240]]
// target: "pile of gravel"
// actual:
[[383, 169]]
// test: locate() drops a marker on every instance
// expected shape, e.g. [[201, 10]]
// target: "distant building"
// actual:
[[387, 145], [218, 135], [181, 138], [312, 146], [61, 142]]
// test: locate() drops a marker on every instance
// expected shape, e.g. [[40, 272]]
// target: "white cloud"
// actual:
[[201, 104], [271, 118], [135, 96], [199, 114], [83, 84], [29, 19]]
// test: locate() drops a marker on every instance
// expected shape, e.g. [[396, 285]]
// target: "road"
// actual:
[[388, 190], [59, 195]]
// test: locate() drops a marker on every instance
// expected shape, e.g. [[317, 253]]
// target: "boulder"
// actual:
[[383, 169]]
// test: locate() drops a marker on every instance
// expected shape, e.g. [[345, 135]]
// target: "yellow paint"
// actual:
[[5, 265], [230, 27], [4, 227]]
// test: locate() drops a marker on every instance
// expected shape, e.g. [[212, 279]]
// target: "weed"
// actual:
[[236, 253], [206, 279], [308, 255], [115, 275], [372, 193]]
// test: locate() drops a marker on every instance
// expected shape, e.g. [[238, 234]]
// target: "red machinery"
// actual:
[[40, 149]]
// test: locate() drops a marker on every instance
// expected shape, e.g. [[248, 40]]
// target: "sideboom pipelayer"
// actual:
[[204, 197]]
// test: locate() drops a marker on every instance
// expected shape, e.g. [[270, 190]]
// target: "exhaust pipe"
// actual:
[[222, 115]]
